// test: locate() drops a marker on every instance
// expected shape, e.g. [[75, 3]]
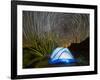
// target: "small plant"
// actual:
[[42, 47]]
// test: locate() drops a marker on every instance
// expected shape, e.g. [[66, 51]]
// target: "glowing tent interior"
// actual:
[[62, 55]]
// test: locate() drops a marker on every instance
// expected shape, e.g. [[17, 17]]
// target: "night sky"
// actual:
[[71, 27]]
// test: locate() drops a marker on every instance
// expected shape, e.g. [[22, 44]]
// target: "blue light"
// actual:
[[61, 55]]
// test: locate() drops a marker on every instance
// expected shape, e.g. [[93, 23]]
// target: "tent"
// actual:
[[62, 55]]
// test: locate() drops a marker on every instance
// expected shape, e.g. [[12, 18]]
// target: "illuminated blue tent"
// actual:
[[62, 55]]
